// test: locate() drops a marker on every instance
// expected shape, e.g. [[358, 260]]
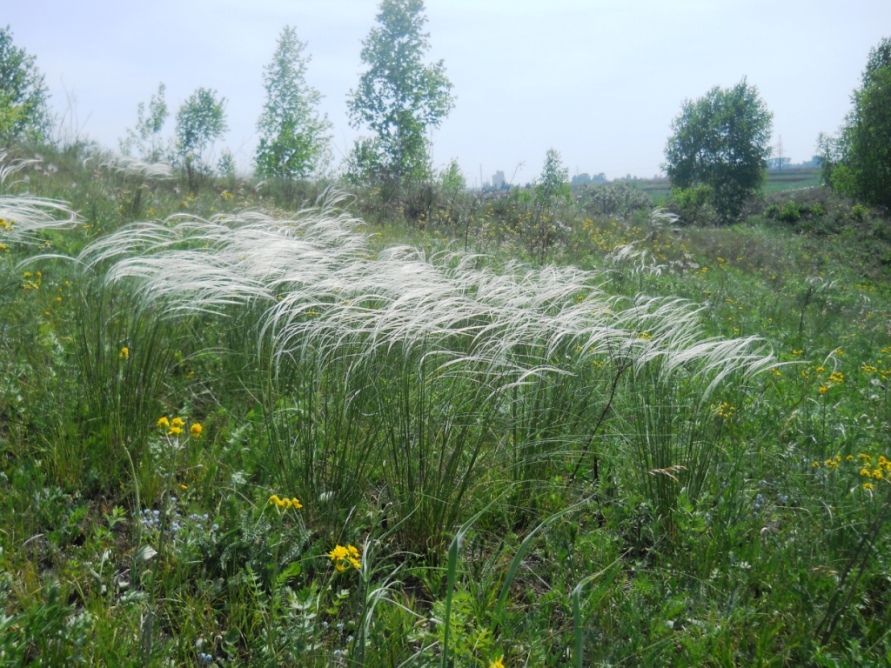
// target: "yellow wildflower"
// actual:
[[344, 557], [823, 389], [868, 486], [175, 431], [195, 430], [125, 353], [339, 552], [497, 663], [177, 422], [163, 422]]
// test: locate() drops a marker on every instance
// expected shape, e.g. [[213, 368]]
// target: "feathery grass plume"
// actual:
[[23, 217], [131, 166], [128, 165], [10, 166], [432, 352]]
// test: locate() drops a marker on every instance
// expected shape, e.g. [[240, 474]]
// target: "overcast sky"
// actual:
[[599, 80]]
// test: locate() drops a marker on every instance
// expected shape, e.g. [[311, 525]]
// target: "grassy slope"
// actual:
[[120, 549]]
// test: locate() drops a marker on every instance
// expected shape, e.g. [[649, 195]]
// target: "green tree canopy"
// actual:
[[721, 141], [145, 138], [399, 97], [857, 163], [200, 121], [294, 140], [24, 114]]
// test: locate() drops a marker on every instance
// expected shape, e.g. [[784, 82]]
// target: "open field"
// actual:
[[777, 181], [235, 431]]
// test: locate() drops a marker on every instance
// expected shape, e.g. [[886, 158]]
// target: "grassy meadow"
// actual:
[[290, 425]]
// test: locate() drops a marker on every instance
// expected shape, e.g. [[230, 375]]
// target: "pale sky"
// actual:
[[599, 80]]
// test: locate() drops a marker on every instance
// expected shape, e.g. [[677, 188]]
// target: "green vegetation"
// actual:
[[233, 435], [24, 115], [858, 162], [293, 138], [390, 422], [399, 98], [200, 121], [145, 140], [719, 148]]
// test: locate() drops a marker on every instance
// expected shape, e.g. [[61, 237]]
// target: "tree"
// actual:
[[24, 114], [552, 191], [145, 138], [399, 97], [720, 143], [857, 163], [293, 137], [200, 121]]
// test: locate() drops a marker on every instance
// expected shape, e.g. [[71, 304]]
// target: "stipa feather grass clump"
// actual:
[[391, 368], [323, 285]]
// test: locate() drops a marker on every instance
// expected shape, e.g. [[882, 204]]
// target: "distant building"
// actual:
[[498, 180]]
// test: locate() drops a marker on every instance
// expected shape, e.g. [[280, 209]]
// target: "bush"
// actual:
[[693, 205], [612, 199]]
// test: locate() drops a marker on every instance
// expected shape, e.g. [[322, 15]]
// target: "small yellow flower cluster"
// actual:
[[881, 470], [645, 336], [31, 281], [6, 224], [344, 557], [775, 371], [837, 377], [284, 504], [724, 410], [497, 663], [882, 467], [125, 353], [175, 426], [796, 353]]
